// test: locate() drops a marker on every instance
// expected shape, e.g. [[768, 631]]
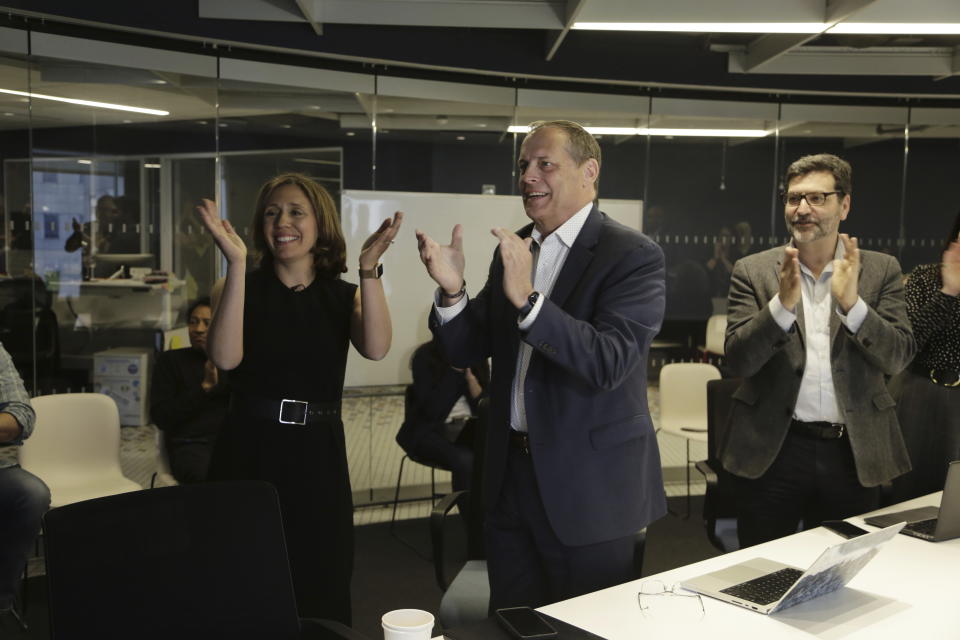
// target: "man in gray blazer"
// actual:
[[814, 327]]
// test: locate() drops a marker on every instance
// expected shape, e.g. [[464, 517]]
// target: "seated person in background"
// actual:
[[24, 498], [187, 400], [444, 399]]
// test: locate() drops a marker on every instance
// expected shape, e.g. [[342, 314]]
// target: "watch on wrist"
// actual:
[[529, 305], [374, 273]]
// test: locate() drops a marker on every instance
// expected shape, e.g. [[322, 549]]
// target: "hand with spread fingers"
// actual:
[[445, 263], [379, 241], [846, 274], [950, 269], [790, 279], [517, 265], [226, 237]]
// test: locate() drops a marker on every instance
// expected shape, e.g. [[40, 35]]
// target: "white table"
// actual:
[[909, 591]]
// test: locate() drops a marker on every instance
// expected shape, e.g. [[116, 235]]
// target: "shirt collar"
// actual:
[[569, 230], [838, 254]]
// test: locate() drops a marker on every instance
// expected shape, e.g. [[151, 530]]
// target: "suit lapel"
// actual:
[[581, 254]]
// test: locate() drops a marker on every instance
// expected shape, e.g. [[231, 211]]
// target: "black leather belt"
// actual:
[[520, 441], [939, 377], [819, 430], [286, 411]]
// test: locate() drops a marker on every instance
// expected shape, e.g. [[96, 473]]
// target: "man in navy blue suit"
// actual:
[[569, 309]]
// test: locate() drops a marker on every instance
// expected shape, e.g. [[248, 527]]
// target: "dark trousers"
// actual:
[[810, 481], [528, 564], [189, 460]]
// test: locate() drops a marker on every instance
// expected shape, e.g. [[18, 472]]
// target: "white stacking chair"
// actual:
[[683, 404], [75, 447]]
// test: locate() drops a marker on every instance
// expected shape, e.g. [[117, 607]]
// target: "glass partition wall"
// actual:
[[107, 149]]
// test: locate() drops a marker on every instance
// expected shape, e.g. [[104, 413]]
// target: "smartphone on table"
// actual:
[[525, 624], [844, 528]]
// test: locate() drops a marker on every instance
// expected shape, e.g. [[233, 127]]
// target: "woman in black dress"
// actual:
[[283, 332], [928, 392]]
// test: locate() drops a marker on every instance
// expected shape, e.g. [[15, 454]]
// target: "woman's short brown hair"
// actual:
[[330, 251]]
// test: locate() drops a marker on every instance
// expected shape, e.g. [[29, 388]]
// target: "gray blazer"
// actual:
[[772, 363]]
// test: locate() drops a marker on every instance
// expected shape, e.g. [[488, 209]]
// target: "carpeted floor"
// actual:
[[393, 572]]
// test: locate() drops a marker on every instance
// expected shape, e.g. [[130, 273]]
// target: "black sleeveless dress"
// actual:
[[295, 346]]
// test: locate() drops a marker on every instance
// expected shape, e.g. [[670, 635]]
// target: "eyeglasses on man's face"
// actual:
[[813, 198]]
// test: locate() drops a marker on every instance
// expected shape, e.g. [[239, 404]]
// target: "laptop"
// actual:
[[930, 523], [767, 587]]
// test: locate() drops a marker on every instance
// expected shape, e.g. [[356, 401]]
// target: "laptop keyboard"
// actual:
[[924, 528], [765, 589]]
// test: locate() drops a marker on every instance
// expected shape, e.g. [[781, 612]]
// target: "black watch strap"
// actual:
[[530, 304]]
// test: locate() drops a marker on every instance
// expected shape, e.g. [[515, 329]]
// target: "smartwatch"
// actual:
[[374, 273], [530, 304]]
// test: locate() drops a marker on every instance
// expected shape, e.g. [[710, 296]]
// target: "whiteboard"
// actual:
[[408, 288]]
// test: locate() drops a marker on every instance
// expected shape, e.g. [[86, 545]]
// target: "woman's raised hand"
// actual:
[[226, 237], [379, 241]]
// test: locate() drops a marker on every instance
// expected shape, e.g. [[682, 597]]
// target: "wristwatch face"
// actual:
[[376, 272]]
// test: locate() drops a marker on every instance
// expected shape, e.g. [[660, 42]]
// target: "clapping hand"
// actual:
[[790, 279], [445, 263], [846, 273], [226, 237], [379, 241], [950, 269], [517, 265]]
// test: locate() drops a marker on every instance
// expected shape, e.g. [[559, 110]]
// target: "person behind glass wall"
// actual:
[[813, 327], [572, 470], [283, 331], [444, 398], [188, 401], [928, 393], [24, 498]]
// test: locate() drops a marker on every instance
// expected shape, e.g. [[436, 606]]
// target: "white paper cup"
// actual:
[[407, 624]]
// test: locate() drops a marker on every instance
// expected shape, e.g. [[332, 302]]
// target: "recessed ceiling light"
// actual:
[[223, 124], [351, 133], [84, 161], [7, 113], [151, 165], [706, 27], [158, 81], [461, 137], [285, 126], [482, 124], [85, 103], [201, 122], [127, 121]]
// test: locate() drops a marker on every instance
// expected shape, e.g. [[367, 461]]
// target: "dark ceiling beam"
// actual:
[[555, 38], [770, 47]]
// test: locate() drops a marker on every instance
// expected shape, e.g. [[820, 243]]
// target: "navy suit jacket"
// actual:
[[593, 445]]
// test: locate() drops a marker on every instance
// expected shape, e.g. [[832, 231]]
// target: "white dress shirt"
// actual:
[[552, 255], [817, 400]]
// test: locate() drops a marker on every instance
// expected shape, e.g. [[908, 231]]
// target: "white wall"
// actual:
[[408, 287]]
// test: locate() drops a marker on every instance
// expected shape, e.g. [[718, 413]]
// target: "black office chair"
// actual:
[[719, 503], [408, 405], [190, 561]]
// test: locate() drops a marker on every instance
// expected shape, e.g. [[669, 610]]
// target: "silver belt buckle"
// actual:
[[842, 428], [302, 421]]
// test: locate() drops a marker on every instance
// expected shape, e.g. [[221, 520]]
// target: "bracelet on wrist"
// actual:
[[454, 296]]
